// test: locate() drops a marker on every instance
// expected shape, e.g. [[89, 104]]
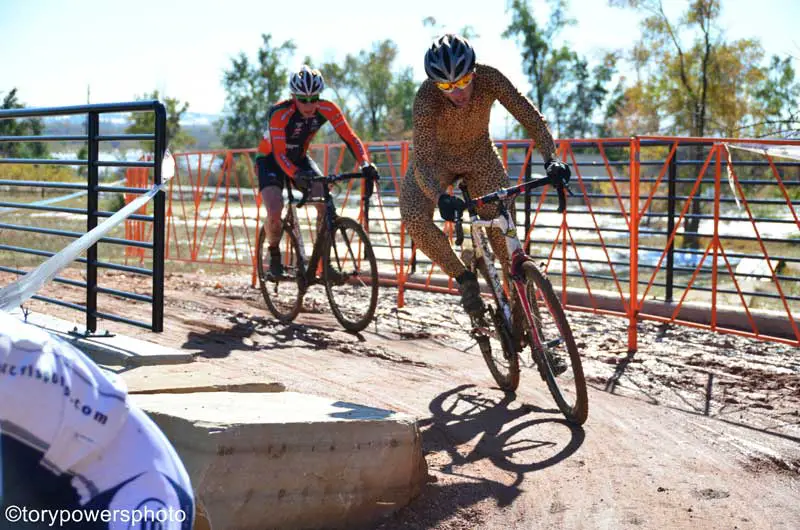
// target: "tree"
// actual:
[[399, 122], [544, 65], [370, 77], [18, 127], [779, 96], [376, 101], [588, 93], [250, 90], [691, 81], [699, 84], [145, 122]]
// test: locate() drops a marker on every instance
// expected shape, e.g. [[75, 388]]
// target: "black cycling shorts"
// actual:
[[270, 172]]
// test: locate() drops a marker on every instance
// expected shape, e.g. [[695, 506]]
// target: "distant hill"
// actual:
[[199, 125]]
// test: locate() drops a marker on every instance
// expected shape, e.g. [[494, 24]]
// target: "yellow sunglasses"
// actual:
[[461, 83]]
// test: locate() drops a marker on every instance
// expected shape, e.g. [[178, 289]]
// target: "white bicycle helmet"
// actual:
[[449, 58], [307, 82]]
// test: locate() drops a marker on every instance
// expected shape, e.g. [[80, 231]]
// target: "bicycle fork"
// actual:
[[500, 316]]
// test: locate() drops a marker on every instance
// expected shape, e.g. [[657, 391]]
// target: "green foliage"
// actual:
[[543, 64], [250, 90], [20, 127], [115, 203], [376, 101], [368, 75], [691, 81], [47, 173], [588, 94], [565, 88], [778, 97], [401, 105], [145, 122]]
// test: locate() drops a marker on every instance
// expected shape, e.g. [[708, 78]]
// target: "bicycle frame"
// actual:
[[482, 249], [517, 256], [523, 274], [309, 271]]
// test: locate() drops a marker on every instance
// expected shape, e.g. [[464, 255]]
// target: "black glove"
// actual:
[[302, 178], [558, 172], [449, 206], [370, 172]]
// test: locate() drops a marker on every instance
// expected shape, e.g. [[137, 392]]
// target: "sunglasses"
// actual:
[[461, 83], [307, 99]]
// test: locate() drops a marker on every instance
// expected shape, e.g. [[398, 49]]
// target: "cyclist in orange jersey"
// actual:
[[283, 151]]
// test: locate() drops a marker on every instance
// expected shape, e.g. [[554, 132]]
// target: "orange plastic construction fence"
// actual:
[[660, 228]]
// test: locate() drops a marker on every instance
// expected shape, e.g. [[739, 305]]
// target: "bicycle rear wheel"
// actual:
[[558, 359], [496, 343], [284, 294], [350, 272]]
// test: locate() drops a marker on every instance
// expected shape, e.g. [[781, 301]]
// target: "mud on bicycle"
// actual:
[[342, 259], [546, 333]]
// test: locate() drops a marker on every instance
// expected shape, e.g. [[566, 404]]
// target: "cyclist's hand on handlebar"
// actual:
[[558, 172], [370, 172], [450, 207], [302, 178]]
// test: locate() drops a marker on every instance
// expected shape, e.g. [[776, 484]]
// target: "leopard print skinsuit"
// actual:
[[451, 142]]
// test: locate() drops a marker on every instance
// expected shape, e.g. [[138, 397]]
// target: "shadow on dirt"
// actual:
[[698, 392], [462, 415], [255, 333], [218, 343]]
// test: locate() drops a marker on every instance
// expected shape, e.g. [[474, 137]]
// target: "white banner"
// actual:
[[781, 151]]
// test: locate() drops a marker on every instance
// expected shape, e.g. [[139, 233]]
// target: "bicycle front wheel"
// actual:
[[350, 273], [555, 352], [283, 294], [496, 342]]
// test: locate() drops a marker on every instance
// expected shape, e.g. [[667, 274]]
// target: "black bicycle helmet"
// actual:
[[449, 58]]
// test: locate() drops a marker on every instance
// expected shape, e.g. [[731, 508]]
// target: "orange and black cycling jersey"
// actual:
[[290, 134]]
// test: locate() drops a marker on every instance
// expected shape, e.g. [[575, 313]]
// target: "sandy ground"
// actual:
[[662, 448]]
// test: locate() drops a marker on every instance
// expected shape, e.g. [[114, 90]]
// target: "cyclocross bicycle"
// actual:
[[342, 259], [544, 329]]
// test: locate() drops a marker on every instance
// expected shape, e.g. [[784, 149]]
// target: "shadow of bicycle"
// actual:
[[468, 428], [463, 413]]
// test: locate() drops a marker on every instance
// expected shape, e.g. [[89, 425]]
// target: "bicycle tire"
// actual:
[[507, 380], [286, 305], [334, 277], [578, 411]]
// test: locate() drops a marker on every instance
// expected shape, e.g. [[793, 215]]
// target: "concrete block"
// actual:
[[289, 460]]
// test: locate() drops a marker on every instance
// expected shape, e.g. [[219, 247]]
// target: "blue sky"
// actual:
[[52, 49]]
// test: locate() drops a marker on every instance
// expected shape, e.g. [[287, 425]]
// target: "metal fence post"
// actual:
[[527, 208], [672, 178], [633, 313], [158, 219], [93, 131]]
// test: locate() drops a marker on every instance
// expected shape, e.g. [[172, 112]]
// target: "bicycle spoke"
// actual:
[[283, 293], [494, 339], [351, 275], [552, 346]]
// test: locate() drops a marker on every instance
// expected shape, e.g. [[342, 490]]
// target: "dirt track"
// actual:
[[648, 457]]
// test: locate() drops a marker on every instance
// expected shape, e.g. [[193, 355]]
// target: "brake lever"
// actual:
[[369, 189], [459, 228], [562, 197]]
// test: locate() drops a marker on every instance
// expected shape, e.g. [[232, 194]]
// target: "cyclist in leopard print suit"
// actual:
[[451, 140]]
